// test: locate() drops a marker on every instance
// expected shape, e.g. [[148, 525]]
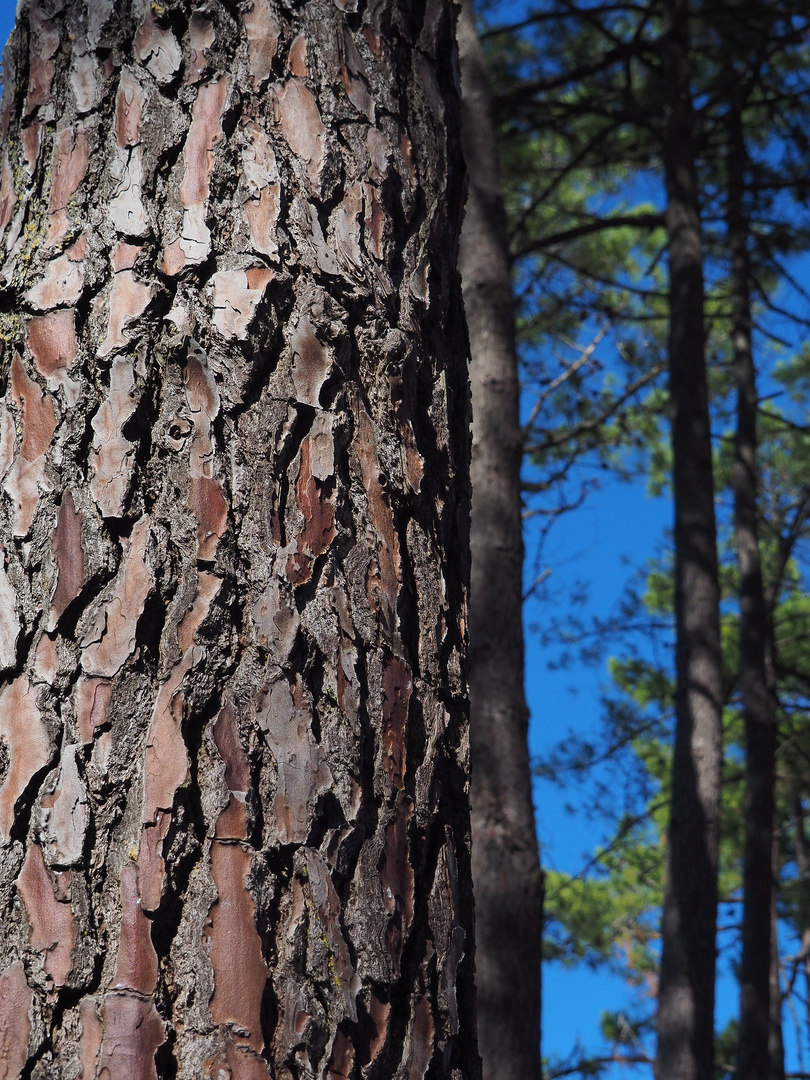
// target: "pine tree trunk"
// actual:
[[760, 722], [234, 831], [506, 865], [776, 1043], [686, 991], [802, 849]]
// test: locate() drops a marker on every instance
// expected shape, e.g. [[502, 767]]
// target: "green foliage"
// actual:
[[725, 1051]]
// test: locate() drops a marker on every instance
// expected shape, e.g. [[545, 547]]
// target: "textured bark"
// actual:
[[757, 700], [234, 829], [686, 989], [506, 866]]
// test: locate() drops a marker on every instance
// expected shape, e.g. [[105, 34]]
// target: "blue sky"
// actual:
[[596, 547]]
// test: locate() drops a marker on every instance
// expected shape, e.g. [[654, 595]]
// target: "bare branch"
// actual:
[[601, 63], [618, 221], [583, 359], [597, 421], [559, 16]]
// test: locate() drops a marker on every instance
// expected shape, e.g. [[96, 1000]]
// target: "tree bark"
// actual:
[[686, 991], [506, 865], [234, 827], [757, 700]]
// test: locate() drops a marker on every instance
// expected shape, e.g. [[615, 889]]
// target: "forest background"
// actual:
[[584, 185], [598, 625]]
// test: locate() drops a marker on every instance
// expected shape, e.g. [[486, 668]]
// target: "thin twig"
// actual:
[[583, 359]]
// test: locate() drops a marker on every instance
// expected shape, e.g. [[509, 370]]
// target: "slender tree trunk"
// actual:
[[686, 992], [760, 723], [803, 866], [776, 1044], [234, 830], [506, 866]]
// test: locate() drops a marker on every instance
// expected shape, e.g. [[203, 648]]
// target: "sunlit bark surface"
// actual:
[[234, 834]]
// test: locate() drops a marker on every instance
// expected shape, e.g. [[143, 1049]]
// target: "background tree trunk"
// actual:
[[776, 1043], [686, 991], [234, 831], [760, 721], [506, 865], [803, 866]]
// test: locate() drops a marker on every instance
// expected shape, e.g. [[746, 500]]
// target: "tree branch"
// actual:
[[596, 421], [618, 221]]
